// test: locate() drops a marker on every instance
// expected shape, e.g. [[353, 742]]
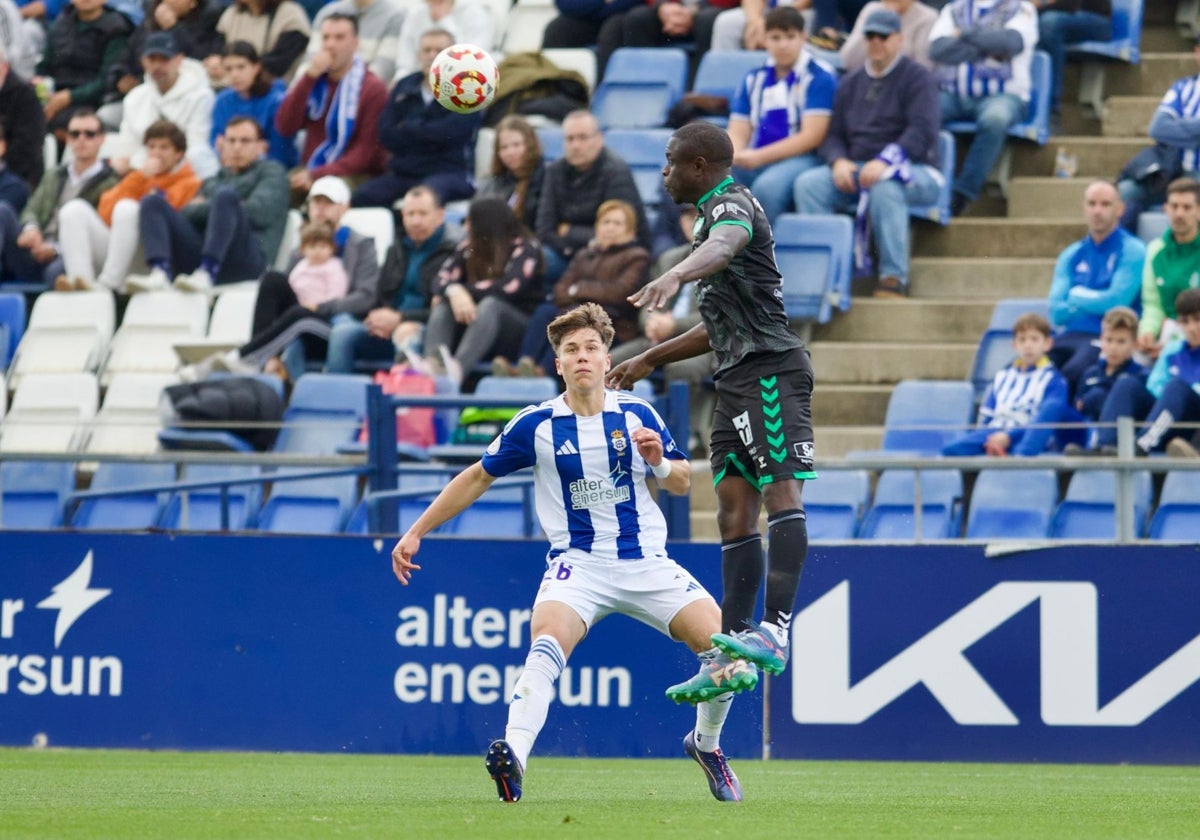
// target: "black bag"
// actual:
[[1154, 167], [233, 400]]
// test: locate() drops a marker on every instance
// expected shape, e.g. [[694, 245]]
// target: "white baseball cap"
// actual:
[[330, 187]]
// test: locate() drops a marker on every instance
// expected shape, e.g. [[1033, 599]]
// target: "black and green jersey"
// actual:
[[742, 305]]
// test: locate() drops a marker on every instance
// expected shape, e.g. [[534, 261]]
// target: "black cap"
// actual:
[[162, 44]]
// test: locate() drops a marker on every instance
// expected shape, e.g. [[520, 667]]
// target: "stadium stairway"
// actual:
[[1001, 248]]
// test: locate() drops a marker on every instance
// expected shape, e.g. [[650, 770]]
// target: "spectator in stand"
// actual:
[[1118, 339], [30, 250], [230, 231], [916, 21], [396, 322], [467, 21], [379, 25], [1023, 398], [586, 24], [24, 50], [780, 114], [85, 41], [1065, 22], [105, 238], [486, 291], [427, 143], [277, 29], [983, 50], [576, 185], [286, 333], [251, 93], [23, 122], [1172, 265], [881, 152], [610, 269], [669, 23], [337, 102], [14, 191], [320, 276], [193, 25], [176, 89], [518, 169], [1101, 271]]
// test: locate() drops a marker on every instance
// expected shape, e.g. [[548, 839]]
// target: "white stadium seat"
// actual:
[[128, 422], [68, 332], [50, 413], [153, 323], [375, 222]]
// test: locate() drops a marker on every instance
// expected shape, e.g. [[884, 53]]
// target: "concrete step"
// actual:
[[1046, 197], [867, 363], [1162, 37], [836, 441], [1151, 77], [1098, 157], [849, 405], [968, 237], [1128, 116], [980, 277], [907, 321]]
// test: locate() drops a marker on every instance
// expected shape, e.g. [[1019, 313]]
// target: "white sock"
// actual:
[[531, 699], [710, 720]]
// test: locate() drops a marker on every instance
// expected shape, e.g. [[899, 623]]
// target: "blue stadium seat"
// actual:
[[643, 150], [1037, 126], [721, 72], [939, 211], [498, 514], [310, 506], [326, 411], [891, 516], [1178, 516], [1126, 42], [551, 139], [204, 506], [995, 348], [835, 503], [814, 256], [639, 87], [209, 440], [1151, 225], [535, 389], [1087, 510], [12, 325], [1012, 504], [135, 512], [924, 415], [34, 492]]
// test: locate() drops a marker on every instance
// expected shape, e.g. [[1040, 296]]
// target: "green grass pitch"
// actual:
[[116, 794]]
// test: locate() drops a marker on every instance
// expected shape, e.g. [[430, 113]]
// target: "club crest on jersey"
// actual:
[[618, 441]]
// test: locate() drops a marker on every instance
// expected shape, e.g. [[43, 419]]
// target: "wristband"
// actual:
[[662, 469]]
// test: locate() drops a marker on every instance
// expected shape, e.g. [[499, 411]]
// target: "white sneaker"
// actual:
[[231, 362], [199, 281], [454, 369], [156, 281]]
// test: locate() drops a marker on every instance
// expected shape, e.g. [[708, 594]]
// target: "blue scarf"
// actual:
[[966, 16], [342, 114]]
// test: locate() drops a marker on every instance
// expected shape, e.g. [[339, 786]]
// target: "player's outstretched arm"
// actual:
[[711, 256], [694, 342], [456, 497]]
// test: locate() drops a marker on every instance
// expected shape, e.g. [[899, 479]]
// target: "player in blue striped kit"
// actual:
[[591, 451]]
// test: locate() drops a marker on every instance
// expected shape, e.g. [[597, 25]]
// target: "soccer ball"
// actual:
[[464, 78]]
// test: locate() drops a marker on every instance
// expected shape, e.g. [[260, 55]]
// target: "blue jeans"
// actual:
[[228, 238], [1177, 403], [772, 184], [1061, 29], [1026, 441], [349, 342], [993, 117], [816, 194]]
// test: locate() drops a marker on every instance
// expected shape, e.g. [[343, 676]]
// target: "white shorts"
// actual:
[[651, 590]]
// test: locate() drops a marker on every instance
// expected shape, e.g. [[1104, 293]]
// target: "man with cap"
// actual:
[[881, 152], [176, 88]]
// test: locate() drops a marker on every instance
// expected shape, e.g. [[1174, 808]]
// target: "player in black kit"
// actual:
[[762, 439]]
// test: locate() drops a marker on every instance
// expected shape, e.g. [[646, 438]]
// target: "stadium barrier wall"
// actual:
[[937, 652]]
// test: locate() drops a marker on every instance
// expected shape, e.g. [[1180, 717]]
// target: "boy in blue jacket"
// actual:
[[1118, 340]]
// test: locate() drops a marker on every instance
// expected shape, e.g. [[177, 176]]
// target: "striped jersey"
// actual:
[[988, 77], [589, 480], [1182, 100], [774, 107], [1018, 392]]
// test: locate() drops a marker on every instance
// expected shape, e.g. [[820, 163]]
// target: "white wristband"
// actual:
[[662, 469]]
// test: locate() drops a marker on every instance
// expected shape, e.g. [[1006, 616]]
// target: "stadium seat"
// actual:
[[535, 389], [326, 410], [1088, 509], [891, 516], [12, 325], [835, 503], [1178, 516], [290, 241], [133, 512], [3, 396], [995, 348], [526, 23], [153, 323], [33, 493], [1151, 225], [129, 420], [49, 413], [924, 415], [551, 139], [643, 149], [1125, 46], [579, 59], [211, 440], [310, 506], [721, 73], [1037, 126], [940, 210], [203, 507], [379, 223], [639, 87], [814, 256], [1012, 504], [68, 332], [497, 514]]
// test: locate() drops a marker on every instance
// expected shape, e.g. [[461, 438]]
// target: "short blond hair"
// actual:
[[585, 316], [1120, 318], [1032, 321]]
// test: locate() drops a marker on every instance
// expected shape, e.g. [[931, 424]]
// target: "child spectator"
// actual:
[[320, 275], [1023, 397], [1118, 339], [251, 93]]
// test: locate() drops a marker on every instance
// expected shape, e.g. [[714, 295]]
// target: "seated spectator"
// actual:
[[1118, 339], [285, 333], [396, 321], [427, 143], [105, 238], [14, 191], [85, 41], [229, 232], [336, 102], [983, 50], [1023, 398], [518, 169], [1101, 271], [1065, 22], [1172, 265], [882, 144], [587, 23], [670, 23], [485, 291], [277, 29], [193, 25], [467, 21], [176, 89], [611, 268], [29, 246], [23, 51], [916, 21], [780, 114], [576, 185], [379, 25], [251, 93], [23, 122]]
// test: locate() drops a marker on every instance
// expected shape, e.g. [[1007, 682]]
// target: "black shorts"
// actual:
[[762, 428]]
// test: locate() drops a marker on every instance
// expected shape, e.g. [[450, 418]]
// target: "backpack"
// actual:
[[414, 425], [482, 425]]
